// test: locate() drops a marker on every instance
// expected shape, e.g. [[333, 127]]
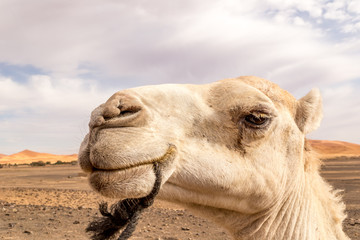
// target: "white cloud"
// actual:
[[128, 43], [12, 94], [119, 38], [354, 6], [314, 8], [299, 21], [351, 27], [46, 112], [43, 92], [341, 113]]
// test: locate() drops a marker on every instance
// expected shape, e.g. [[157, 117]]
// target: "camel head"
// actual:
[[236, 144]]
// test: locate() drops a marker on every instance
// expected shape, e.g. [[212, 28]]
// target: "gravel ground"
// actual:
[[55, 202]]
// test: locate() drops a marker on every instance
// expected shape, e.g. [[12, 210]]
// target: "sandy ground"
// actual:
[[55, 202]]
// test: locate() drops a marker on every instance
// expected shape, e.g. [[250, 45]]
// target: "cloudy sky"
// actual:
[[61, 58]]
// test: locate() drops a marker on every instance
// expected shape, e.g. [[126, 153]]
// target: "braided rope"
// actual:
[[124, 213]]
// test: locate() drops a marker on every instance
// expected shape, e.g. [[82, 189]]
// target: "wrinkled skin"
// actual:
[[236, 144]]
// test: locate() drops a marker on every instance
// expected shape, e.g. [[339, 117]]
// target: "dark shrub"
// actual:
[[36, 164]]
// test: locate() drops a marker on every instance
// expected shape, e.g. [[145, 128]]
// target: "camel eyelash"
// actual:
[[256, 120]]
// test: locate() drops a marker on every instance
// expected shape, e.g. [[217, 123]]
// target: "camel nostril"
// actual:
[[96, 119], [111, 109], [121, 112], [122, 109], [126, 111]]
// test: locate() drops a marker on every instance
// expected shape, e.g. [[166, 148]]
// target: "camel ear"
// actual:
[[309, 111]]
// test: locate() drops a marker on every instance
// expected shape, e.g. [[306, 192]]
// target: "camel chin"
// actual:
[[134, 182]]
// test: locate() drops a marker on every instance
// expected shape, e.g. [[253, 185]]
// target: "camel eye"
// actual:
[[256, 120]]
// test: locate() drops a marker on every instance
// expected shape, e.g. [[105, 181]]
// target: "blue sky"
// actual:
[[60, 59]]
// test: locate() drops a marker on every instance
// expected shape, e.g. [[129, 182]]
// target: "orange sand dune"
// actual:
[[330, 149], [326, 149], [28, 156]]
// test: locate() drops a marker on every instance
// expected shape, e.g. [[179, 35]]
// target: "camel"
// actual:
[[233, 151]]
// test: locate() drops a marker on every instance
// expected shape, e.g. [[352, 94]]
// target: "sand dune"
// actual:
[[28, 156], [326, 149], [331, 149]]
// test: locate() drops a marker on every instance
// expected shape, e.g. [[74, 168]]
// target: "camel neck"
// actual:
[[304, 213], [308, 210]]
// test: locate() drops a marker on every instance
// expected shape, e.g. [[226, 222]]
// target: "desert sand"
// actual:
[[55, 201]]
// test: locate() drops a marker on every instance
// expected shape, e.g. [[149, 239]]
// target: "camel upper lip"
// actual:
[[170, 152]]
